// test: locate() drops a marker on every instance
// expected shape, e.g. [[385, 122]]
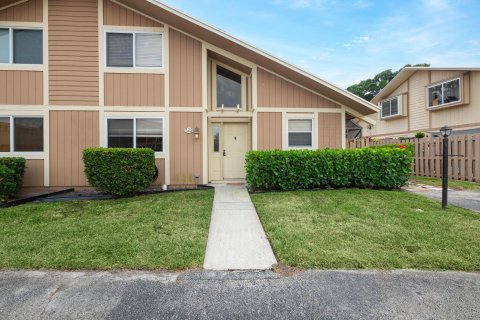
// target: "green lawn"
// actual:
[[452, 184], [165, 231], [368, 229]]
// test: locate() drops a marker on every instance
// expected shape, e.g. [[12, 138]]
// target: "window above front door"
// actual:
[[229, 88]]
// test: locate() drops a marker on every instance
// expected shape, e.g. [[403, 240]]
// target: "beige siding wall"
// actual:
[[390, 126], [418, 114], [437, 76], [185, 71], [269, 132], [146, 90], [403, 88], [329, 130], [30, 11], [275, 92], [34, 174], [70, 133], [116, 15], [21, 87], [461, 115], [160, 163], [185, 150], [73, 52]]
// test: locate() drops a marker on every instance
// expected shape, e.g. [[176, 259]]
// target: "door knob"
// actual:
[[224, 153]]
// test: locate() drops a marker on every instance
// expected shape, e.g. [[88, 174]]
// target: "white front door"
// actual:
[[236, 144]]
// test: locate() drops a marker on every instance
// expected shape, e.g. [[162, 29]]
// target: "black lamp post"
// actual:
[[446, 132]]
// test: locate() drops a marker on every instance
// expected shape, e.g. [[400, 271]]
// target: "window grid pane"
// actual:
[[28, 134], [27, 46], [149, 134], [148, 50], [4, 45], [451, 91], [300, 139], [394, 107], [120, 133], [300, 125], [119, 49], [4, 134]]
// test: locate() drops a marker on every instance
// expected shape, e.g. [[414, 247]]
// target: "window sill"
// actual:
[[393, 117], [21, 67], [134, 70], [26, 155], [446, 106]]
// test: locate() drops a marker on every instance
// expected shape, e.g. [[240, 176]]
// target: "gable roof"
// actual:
[[405, 74], [221, 39]]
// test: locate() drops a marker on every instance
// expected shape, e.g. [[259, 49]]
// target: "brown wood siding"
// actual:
[[73, 52], [269, 134], [116, 15], [138, 90], [34, 171], [329, 130], [30, 11], [160, 163], [185, 71], [70, 133], [275, 92], [185, 151], [21, 87]]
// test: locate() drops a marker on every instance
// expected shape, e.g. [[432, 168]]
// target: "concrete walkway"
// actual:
[[236, 239]]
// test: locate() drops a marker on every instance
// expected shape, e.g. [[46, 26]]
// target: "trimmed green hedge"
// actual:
[[119, 171], [11, 176], [385, 168], [409, 146]]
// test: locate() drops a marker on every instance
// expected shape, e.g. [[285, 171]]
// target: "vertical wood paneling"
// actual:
[[275, 92], [70, 133], [34, 174], [30, 11], [73, 52], [185, 71], [329, 130], [116, 15], [418, 115], [138, 90], [185, 151], [21, 87], [269, 133]]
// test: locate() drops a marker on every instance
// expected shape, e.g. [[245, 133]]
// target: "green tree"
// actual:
[[367, 89]]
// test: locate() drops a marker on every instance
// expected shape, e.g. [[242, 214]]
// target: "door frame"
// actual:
[[220, 122]]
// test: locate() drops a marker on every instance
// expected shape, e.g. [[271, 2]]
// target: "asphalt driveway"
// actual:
[[468, 199], [239, 295]]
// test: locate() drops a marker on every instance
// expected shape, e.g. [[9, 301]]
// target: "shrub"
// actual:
[[119, 171], [11, 176], [386, 168], [420, 135], [409, 146]]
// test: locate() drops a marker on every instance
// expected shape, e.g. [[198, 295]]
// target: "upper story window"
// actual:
[[391, 107], [229, 88], [21, 134], [444, 93], [135, 133], [21, 46], [300, 133], [134, 49]]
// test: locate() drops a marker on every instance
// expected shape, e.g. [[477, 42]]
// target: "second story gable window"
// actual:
[[391, 107], [444, 93], [21, 46], [134, 49]]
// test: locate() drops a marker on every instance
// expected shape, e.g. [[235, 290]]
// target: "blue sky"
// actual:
[[347, 41]]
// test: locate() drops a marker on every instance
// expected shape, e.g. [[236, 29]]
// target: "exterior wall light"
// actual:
[[195, 131]]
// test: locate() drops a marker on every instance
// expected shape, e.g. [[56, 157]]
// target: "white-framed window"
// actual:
[[134, 49], [21, 46], [443, 94], [21, 134], [391, 107], [229, 87], [300, 133], [135, 132]]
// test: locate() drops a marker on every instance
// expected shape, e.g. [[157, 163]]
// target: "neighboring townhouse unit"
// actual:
[[137, 73], [424, 99]]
